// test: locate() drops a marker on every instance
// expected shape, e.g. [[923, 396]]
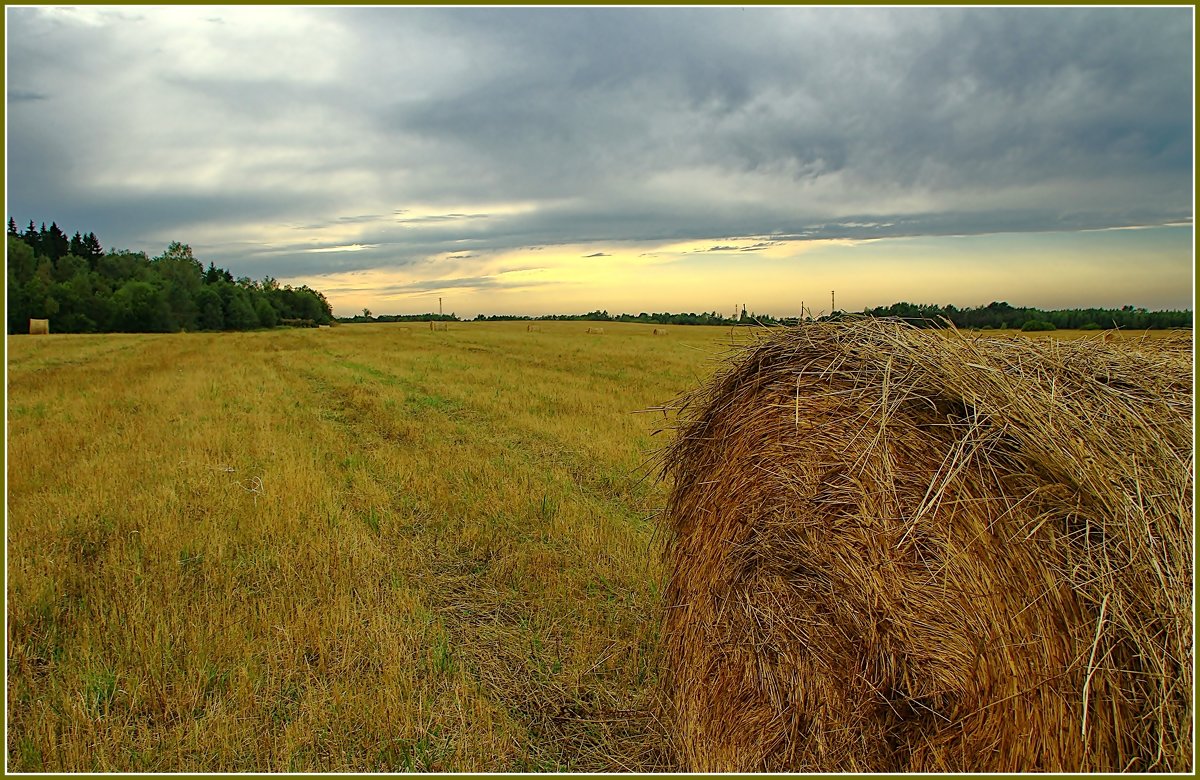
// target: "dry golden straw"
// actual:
[[595, 330], [902, 550], [39, 327]]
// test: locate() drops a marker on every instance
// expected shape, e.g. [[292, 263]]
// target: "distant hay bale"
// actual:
[[903, 550], [437, 325], [39, 327], [533, 328], [660, 331], [595, 330]]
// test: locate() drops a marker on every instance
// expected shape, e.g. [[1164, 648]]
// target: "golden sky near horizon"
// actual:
[[1108, 268]]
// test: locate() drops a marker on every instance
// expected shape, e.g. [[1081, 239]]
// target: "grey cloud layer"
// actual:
[[616, 124]]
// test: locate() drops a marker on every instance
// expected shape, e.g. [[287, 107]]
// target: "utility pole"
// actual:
[[832, 302], [802, 311], [439, 307]]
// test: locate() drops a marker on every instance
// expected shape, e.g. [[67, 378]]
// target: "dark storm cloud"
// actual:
[[148, 222], [923, 97], [408, 130]]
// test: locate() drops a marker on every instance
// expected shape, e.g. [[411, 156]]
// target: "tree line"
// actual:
[[81, 288], [995, 315], [593, 316], [704, 318], [999, 314], [366, 316]]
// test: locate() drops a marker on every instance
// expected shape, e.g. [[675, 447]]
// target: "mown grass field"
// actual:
[[372, 547]]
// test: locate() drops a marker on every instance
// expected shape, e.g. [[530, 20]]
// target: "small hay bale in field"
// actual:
[[39, 327], [533, 328], [903, 550], [437, 325], [660, 331], [596, 330]]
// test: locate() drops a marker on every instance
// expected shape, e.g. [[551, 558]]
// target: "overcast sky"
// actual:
[[561, 160]]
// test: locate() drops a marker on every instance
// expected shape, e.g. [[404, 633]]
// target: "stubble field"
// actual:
[[373, 547], [362, 548]]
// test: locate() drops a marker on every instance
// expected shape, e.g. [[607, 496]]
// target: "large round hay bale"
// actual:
[[902, 550]]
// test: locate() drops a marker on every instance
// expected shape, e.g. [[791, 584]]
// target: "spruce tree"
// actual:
[[30, 236], [92, 249], [58, 244]]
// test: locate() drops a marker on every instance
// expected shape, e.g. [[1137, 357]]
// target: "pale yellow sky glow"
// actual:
[[1047, 269]]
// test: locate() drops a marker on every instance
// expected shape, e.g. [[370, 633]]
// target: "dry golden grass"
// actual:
[[900, 550], [359, 548]]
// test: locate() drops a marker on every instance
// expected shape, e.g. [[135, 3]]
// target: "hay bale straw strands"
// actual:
[[901, 550]]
